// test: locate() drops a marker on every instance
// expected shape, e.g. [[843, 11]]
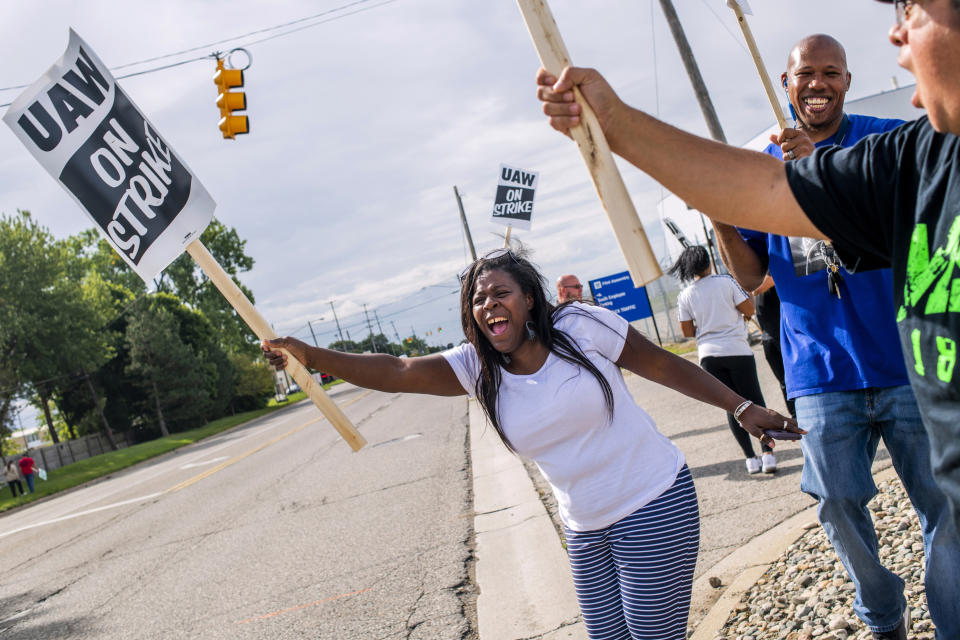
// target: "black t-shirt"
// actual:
[[893, 200]]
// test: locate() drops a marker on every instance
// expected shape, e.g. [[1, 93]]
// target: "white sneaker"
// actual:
[[753, 465], [769, 463]]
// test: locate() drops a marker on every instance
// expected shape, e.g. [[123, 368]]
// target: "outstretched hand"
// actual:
[[756, 419], [278, 359], [559, 103], [794, 143]]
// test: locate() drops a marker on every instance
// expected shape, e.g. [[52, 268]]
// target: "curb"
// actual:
[[748, 563], [523, 576]]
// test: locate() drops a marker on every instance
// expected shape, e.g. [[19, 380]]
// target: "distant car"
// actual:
[[293, 388], [326, 377]]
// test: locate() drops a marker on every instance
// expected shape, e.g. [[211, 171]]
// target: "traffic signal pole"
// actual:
[[229, 101]]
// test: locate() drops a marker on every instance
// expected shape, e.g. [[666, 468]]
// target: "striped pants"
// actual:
[[633, 579]]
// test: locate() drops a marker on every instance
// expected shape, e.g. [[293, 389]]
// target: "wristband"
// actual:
[[740, 409]]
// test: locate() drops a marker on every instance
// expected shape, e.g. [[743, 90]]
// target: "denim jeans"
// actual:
[[845, 428], [29, 478]]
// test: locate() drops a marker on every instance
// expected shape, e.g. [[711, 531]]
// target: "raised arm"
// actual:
[[426, 374], [732, 185], [742, 261], [645, 359]]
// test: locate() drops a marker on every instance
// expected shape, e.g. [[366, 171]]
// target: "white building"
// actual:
[[888, 104]]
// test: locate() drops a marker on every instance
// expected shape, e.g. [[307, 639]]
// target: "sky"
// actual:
[[363, 119]]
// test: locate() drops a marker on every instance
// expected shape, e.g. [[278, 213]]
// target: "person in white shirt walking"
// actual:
[[714, 310]]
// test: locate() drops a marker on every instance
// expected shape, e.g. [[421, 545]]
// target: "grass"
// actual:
[[104, 464], [680, 348]]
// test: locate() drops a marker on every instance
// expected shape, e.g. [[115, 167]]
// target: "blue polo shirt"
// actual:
[[831, 343]]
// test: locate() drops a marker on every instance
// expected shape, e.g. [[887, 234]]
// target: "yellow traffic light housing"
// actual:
[[229, 101]]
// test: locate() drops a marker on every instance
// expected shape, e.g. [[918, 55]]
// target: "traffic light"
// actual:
[[230, 101]]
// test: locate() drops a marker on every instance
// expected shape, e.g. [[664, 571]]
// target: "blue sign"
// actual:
[[618, 294]]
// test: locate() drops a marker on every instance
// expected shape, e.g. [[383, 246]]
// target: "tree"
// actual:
[[348, 346], [187, 281], [414, 346], [254, 382], [49, 327], [165, 367], [94, 254]]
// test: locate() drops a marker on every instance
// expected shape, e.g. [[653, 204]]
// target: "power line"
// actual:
[[348, 322], [244, 44], [250, 33]]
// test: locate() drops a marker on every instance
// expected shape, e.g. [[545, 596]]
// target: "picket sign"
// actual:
[[255, 321], [94, 141], [641, 262], [758, 61]]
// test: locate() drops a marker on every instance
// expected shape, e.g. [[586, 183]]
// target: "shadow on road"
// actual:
[[734, 472]]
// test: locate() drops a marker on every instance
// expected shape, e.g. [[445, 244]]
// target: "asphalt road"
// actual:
[[272, 530]]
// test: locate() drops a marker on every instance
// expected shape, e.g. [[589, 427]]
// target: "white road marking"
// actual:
[[82, 513], [204, 462]]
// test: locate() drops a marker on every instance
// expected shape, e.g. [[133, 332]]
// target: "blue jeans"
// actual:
[[845, 428], [29, 478]]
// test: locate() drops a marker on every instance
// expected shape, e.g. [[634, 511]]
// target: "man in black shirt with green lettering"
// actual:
[[893, 200]]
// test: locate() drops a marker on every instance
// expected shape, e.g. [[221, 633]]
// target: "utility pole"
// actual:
[[337, 320], [466, 227], [310, 326], [699, 88], [373, 345], [379, 328], [397, 333]]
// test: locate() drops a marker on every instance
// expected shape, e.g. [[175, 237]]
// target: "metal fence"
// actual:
[[54, 456]]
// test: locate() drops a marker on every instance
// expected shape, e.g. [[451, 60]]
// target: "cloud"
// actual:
[[360, 128]]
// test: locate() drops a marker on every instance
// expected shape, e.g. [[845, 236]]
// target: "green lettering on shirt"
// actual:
[[925, 272], [948, 358], [917, 355]]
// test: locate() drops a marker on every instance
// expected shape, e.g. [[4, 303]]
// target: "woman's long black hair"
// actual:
[[543, 314], [692, 262]]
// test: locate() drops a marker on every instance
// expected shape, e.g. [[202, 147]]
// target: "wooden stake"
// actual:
[[506, 237], [255, 321], [641, 262], [761, 68]]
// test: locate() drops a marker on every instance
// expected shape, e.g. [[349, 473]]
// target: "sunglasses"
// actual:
[[902, 9], [493, 255]]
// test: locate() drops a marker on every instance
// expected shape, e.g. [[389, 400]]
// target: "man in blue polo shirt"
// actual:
[[841, 354]]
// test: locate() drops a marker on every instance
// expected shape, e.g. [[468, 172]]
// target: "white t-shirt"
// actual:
[[601, 470], [711, 303]]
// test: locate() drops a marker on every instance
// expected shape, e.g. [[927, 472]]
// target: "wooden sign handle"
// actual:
[[761, 68], [255, 321], [641, 262]]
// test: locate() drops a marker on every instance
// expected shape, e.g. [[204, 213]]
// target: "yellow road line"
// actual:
[[224, 465]]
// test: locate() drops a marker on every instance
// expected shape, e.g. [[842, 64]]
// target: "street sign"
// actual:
[[617, 293]]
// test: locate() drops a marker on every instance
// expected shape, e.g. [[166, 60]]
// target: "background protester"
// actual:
[[12, 475], [713, 309]]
